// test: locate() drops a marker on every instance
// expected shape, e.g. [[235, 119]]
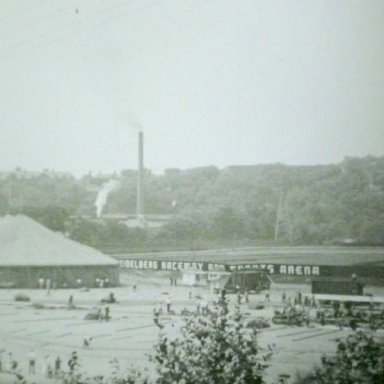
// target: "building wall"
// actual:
[[368, 274], [61, 277]]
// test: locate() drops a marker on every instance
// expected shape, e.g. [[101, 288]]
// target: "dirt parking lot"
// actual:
[[130, 334]]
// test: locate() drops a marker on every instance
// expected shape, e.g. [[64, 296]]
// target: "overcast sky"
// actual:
[[210, 82]]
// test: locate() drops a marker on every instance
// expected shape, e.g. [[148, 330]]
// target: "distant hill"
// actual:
[[325, 204]]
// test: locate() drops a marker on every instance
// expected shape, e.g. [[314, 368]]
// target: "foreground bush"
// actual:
[[359, 360], [217, 348]]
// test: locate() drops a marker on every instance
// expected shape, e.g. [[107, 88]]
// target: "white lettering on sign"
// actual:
[[316, 271], [139, 264], [216, 267], [252, 267], [299, 270], [181, 266], [282, 269]]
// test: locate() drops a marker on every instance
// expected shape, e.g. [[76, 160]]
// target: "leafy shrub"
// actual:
[[359, 360], [217, 348]]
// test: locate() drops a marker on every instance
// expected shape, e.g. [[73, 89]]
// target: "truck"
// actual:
[[251, 281]]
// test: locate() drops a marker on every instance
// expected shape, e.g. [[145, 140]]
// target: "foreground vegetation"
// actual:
[[359, 360]]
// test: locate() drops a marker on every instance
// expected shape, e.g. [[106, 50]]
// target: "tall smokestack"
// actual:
[[140, 174]]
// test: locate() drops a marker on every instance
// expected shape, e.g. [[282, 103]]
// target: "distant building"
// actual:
[[93, 182], [281, 264], [22, 174], [149, 221]]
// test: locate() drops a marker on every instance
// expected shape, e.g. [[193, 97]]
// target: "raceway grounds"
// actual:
[[130, 334]]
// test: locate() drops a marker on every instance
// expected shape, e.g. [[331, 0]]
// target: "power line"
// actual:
[[75, 30], [49, 33], [17, 11], [31, 22]]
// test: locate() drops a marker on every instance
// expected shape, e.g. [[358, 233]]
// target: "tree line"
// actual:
[[238, 205]]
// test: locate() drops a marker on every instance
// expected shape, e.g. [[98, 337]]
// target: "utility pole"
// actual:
[[140, 176], [283, 218]]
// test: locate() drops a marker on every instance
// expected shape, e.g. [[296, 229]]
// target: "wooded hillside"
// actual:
[[277, 204]]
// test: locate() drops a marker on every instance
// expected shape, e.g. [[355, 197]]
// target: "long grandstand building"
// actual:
[[288, 264]]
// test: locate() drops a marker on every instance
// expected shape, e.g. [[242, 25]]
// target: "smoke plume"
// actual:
[[102, 196]]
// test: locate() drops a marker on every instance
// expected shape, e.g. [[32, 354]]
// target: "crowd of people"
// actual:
[[297, 308], [304, 309], [47, 366], [349, 315], [48, 283]]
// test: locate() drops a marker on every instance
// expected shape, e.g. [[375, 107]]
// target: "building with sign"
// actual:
[[282, 264]]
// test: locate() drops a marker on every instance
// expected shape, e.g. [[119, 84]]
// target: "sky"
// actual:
[[209, 82]]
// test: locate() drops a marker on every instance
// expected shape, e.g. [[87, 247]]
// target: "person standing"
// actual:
[[48, 286], [322, 318], [1, 359], [299, 297], [156, 316], [106, 313], [198, 307], [87, 342], [168, 303], [32, 361], [70, 302], [204, 307], [73, 362], [112, 298], [46, 368], [11, 363], [57, 366]]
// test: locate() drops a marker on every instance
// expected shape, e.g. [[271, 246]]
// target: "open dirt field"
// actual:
[[130, 334]]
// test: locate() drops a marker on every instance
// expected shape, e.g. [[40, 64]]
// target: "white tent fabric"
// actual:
[[24, 242]]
